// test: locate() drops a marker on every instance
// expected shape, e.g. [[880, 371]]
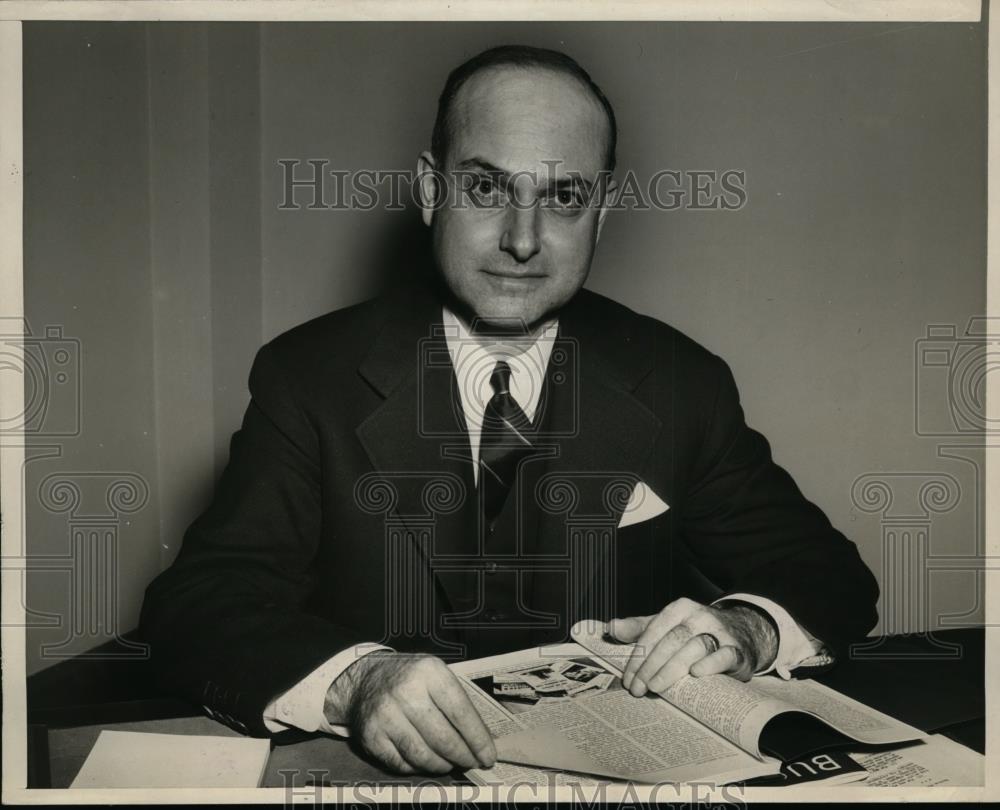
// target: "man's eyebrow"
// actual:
[[485, 165], [573, 180]]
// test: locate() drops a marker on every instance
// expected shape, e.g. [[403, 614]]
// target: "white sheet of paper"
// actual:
[[938, 760], [127, 759]]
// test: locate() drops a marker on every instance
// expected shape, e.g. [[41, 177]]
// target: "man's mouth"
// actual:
[[514, 275]]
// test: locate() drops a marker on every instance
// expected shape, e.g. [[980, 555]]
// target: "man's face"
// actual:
[[518, 243]]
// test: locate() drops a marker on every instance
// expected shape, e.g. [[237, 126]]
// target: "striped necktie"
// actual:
[[504, 441]]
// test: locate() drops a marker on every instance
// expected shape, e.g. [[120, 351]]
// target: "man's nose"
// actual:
[[520, 236]]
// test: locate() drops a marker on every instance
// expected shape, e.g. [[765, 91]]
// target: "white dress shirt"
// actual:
[[473, 359]]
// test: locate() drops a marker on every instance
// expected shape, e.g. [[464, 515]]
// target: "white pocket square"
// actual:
[[644, 504]]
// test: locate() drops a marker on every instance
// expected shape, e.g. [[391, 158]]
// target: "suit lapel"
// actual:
[[416, 439]]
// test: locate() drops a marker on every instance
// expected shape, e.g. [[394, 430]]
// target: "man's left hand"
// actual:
[[678, 641]]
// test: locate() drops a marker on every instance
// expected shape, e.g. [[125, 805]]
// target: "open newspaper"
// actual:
[[560, 712]]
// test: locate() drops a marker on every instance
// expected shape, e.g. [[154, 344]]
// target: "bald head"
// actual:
[[527, 64], [526, 117]]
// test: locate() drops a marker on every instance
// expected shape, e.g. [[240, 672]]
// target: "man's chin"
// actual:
[[506, 312], [513, 319]]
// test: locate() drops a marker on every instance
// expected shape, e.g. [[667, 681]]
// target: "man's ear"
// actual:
[[428, 186], [609, 196]]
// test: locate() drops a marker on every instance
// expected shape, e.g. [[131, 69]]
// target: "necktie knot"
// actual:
[[500, 378]]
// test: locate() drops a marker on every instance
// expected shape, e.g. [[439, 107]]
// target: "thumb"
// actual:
[[628, 630]]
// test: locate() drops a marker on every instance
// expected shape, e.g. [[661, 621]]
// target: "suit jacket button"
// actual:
[[491, 567]]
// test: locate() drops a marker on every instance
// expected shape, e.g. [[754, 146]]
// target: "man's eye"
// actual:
[[566, 197], [565, 200], [485, 191]]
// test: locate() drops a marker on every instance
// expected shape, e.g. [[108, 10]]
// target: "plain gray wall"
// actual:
[[153, 236]]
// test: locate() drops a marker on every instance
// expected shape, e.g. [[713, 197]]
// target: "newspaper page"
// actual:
[[561, 708], [727, 706], [739, 711]]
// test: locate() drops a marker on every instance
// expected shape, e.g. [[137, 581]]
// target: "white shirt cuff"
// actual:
[[795, 645], [302, 706]]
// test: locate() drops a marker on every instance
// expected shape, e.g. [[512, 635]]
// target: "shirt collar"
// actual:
[[474, 357]]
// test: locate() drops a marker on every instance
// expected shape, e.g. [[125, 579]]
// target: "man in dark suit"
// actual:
[[470, 466]]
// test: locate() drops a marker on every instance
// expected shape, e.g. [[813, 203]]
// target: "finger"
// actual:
[[678, 666], [666, 648], [741, 667], [644, 645], [415, 749], [440, 735], [628, 630], [672, 615], [659, 648], [455, 704], [385, 751], [723, 660]]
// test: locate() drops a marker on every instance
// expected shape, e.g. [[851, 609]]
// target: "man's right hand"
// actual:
[[411, 713]]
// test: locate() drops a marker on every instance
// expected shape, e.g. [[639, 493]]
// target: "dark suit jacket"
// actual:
[[350, 460]]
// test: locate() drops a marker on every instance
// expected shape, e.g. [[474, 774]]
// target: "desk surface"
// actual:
[[933, 687]]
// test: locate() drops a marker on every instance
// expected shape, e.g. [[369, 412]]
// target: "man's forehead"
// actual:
[[525, 119]]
